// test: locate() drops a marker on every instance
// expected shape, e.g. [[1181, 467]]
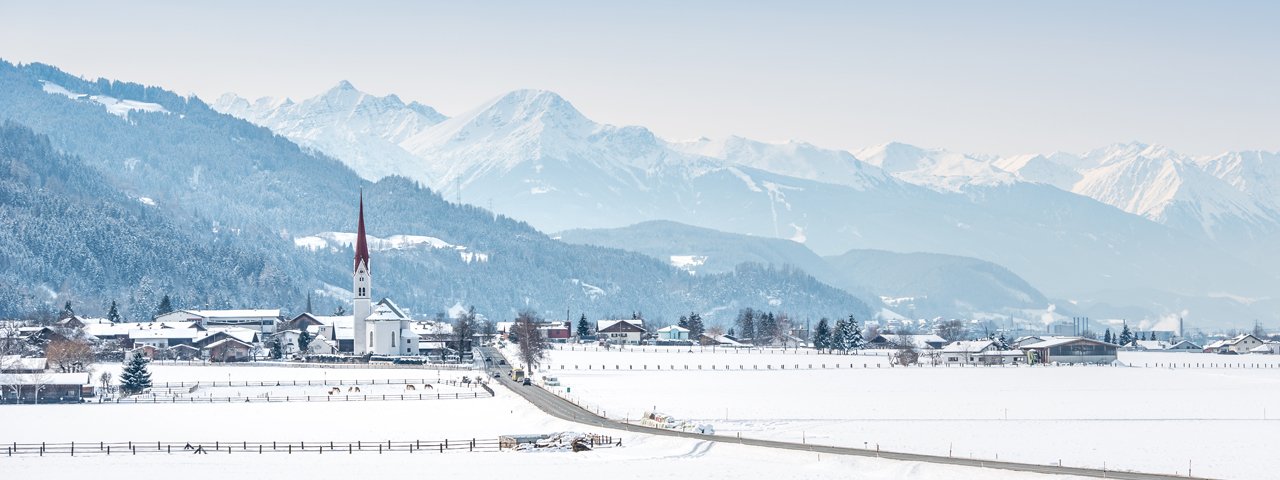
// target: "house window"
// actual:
[[393, 339]]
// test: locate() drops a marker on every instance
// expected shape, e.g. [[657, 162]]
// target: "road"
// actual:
[[563, 409]]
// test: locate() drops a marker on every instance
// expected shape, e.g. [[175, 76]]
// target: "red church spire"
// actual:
[[362, 247]]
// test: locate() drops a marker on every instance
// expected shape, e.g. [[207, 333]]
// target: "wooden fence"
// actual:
[[309, 398], [258, 448]]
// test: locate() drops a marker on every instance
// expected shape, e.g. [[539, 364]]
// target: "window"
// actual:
[[393, 339]]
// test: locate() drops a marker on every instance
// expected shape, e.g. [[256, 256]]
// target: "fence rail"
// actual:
[[306, 383], [258, 448], [309, 398], [742, 367], [334, 365]]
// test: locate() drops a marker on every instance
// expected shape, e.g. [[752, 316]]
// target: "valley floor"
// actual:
[[641, 456], [1211, 421]]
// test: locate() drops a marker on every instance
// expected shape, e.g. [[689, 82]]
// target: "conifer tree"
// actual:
[[113, 313], [1126, 336], [1106, 336], [584, 328], [696, 328], [165, 306], [852, 335], [67, 311], [839, 337], [822, 335], [135, 378]]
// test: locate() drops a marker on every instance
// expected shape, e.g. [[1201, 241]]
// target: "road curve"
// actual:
[[563, 409]]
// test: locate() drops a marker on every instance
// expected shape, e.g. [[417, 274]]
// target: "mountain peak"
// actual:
[[343, 85]]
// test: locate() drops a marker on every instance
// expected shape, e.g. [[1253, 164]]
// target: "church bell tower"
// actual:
[[362, 283]]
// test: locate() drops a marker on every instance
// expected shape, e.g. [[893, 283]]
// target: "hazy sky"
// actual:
[[978, 76]]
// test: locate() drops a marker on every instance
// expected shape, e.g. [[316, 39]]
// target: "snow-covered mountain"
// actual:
[[362, 130], [794, 159], [938, 169], [1071, 224]]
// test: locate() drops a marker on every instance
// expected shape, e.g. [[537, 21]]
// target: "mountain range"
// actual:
[[1129, 217], [116, 191]]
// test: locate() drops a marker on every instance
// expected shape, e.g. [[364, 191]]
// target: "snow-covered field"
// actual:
[[1157, 420], [642, 456]]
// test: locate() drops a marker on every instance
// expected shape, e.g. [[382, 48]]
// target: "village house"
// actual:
[[620, 332], [44, 387], [966, 352], [1237, 345], [1185, 346], [228, 349], [673, 333]]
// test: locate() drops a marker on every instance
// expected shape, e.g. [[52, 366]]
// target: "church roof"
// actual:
[[383, 313], [362, 246]]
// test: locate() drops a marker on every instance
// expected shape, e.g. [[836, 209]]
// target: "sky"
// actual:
[[993, 77]]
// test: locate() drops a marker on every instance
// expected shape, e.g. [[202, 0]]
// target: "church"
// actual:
[[381, 328]]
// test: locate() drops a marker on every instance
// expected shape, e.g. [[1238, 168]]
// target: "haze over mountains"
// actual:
[[1128, 217], [106, 203]]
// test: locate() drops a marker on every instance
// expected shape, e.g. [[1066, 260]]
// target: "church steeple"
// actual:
[[362, 288], [362, 247]]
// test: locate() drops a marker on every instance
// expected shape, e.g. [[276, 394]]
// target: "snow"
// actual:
[[641, 456], [688, 262], [335, 240], [147, 201], [115, 106], [1148, 419]]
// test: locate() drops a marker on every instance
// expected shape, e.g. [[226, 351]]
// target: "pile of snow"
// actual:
[[662, 420], [336, 240], [115, 106]]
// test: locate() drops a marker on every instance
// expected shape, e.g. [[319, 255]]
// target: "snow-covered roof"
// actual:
[[17, 362], [673, 328], [256, 313], [1187, 344], [1151, 344], [179, 333], [1057, 341], [125, 329], [246, 335], [225, 341], [431, 328], [968, 346], [1260, 349], [602, 325], [44, 378], [1240, 338], [384, 313]]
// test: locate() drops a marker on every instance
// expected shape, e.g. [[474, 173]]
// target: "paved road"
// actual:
[[561, 408]]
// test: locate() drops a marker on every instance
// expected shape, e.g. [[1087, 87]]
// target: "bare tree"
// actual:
[[38, 383], [69, 356], [105, 379], [464, 328], [951, 330], [531, 343]]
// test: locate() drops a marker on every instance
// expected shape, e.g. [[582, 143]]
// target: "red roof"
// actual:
[[362, 247]]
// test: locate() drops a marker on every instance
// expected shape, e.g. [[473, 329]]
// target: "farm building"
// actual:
[[1070, 350]]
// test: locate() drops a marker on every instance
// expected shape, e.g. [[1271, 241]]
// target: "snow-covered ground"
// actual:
[[1157, 420], [642, 456]]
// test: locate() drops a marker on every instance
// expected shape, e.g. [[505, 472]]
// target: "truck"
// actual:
[[517, 374]]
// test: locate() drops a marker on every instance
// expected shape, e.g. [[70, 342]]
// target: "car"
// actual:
[[502, 362], [527, 381], [496, 374]]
